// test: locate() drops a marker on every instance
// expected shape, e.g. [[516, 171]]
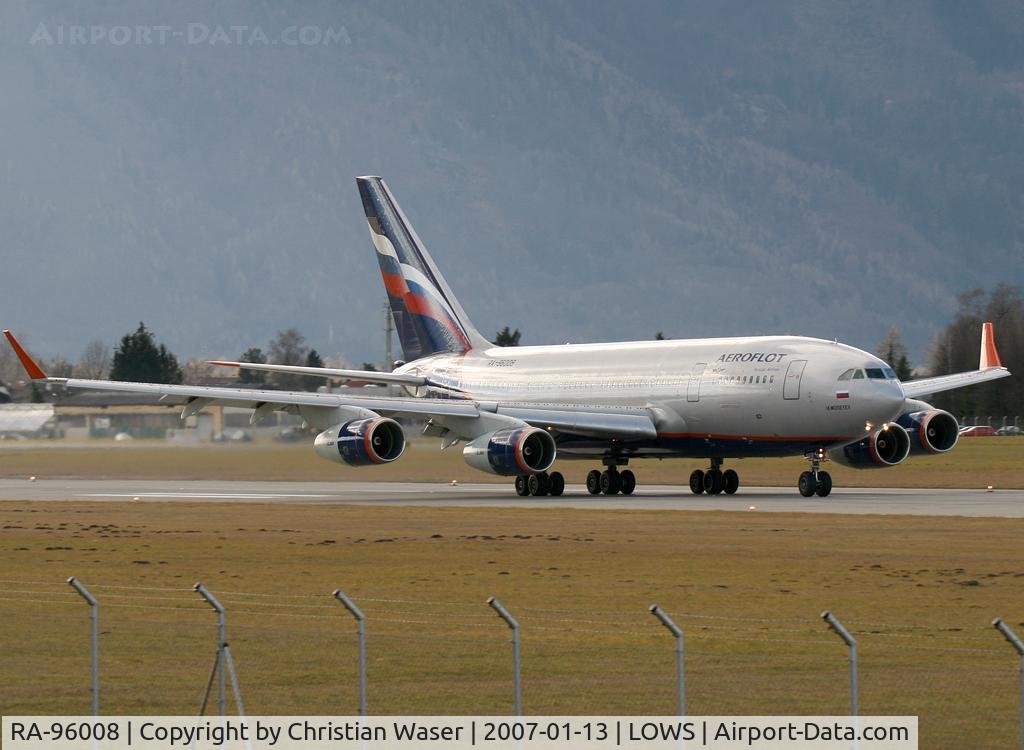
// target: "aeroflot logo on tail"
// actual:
[[751, 357]]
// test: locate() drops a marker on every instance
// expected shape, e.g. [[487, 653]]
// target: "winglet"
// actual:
[[218, 363], [34, 371], [989, 355]]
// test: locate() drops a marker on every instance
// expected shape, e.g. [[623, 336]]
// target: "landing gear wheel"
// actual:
[[627, 481], [697, 482], [522, 485], [713, 481], [594, 482], [730, 482], [557, 484], [611, 482], [824, 484], [538, 484], [807, 485]]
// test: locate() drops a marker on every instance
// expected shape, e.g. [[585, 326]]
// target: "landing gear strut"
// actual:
[[611, 481], [714, 480], [540, 484], [815, 481]]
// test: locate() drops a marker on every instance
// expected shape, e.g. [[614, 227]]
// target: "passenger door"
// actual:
[[791, 386]]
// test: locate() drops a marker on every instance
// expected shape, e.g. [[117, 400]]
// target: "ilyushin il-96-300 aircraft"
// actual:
[[517, 410]]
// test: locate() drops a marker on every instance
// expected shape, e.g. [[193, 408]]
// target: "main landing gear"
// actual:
[[714, 480], [541, 484], [611, 481], [815, 481]]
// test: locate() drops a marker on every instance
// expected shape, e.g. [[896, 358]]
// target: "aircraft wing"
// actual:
[[369, 376], [590, 421], [989, 368]]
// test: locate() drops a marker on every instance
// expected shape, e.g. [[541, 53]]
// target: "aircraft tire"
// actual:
[[806, 484], [611, 482], [594, 482], [730, 482], [628, 482], [538, 485], [522, 486], [557, 484], [697, 482], [713, 481], [824, 484]]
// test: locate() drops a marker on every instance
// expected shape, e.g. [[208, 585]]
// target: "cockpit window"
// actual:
[[875, 373], [858, 375], [889, 373], [848, 374]]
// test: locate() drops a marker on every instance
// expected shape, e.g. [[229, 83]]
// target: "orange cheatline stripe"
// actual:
[[34, 371]]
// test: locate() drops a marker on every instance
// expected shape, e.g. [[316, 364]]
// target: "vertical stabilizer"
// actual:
[[428, 317]]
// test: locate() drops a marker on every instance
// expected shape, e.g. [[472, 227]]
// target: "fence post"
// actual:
[[680, 676], [1014, 641], [222, 659], [361, 632], [516, 665], [843, 633], [94, 618]]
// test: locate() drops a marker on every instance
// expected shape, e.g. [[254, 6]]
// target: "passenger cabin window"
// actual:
[[848, 374], [858, 375], [875, 373]]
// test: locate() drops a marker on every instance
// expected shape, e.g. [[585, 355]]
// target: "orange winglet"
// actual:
[[989, 355], [224, 364], [34, 371]]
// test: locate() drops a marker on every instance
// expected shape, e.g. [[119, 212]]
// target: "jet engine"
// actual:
[[931, 431], [362, 442], [512, 451], [886, 446]]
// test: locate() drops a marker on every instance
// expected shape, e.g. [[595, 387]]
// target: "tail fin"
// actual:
[[428, 317]]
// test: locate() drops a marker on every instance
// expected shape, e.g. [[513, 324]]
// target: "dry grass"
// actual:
[[975, 462], [747, 589]]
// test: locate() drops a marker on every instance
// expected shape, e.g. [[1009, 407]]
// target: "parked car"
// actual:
[[979, 430], [1010, 430]]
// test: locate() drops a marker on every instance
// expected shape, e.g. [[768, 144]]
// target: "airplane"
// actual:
[[518, 409]]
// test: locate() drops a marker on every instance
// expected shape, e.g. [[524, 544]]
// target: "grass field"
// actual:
[[918, 592], [976, 462]]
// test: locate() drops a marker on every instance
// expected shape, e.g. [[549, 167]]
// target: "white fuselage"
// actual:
[[767, 395]]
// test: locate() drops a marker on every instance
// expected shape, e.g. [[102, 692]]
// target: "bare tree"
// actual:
[[288, 348], [94, 364], [894, 352]]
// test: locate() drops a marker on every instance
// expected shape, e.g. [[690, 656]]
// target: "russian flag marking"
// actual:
[[842, 394]]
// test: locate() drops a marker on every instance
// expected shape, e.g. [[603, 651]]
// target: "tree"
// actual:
[[893, 351], [138, 359], [288, 348], [253, 355], [659, 336], [368, 367], [58, 367], [506, 337], [312, 382], [94, 364], [956, 349]]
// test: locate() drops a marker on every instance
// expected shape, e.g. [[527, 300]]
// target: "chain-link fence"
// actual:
[[297, 653]]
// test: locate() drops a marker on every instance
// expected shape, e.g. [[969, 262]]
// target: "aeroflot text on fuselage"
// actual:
[[752, 357]]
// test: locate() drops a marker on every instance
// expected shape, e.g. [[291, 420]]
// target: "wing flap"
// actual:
[[370, 376]]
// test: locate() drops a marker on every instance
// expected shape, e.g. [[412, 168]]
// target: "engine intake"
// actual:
[[513, 451], [887, 446], [931, 431], [362, 442]]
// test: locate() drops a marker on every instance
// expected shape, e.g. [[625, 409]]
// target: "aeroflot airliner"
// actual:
[[519, 409]]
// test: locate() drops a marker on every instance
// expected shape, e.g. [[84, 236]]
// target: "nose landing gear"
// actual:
[[714, 481], [815, 481]]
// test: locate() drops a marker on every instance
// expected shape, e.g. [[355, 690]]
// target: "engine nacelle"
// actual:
[[362, 442], [931, 431], [887, 446], [512, 451]]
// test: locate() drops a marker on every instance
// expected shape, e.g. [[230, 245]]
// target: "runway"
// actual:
[[854, 501]]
